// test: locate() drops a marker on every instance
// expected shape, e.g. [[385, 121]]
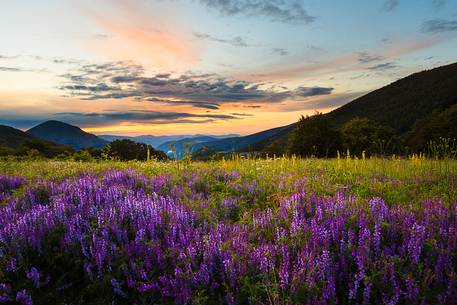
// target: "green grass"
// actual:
[[395, 180]]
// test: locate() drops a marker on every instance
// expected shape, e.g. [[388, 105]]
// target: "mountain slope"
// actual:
[[399, 105], [66, 134], [437, 124], [12, 137], [16, 142]]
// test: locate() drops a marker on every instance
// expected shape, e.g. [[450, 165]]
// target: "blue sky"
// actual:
[[200, 66]]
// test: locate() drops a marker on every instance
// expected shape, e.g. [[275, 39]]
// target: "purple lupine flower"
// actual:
[[117, 288], [5, 293], [367, 292], [415, 242], [34, 275], [412, 291], [12, 265], [176, 246], [23, 298], [284, 269], [9, 183]]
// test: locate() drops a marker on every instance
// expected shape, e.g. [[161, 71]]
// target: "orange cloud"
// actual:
[[137, 34]]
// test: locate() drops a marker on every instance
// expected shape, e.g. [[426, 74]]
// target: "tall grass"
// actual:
[[397, 180]]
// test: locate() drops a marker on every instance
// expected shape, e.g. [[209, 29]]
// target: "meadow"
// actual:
[[237, 231]]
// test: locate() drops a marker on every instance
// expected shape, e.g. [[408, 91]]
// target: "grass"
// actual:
[[395, 180]]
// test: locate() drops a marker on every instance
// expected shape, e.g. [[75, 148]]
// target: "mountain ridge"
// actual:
[[66, 134]]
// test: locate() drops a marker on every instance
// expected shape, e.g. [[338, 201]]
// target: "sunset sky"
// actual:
[[161, 67]]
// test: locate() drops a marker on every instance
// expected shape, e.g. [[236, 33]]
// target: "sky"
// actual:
[[166, 67]]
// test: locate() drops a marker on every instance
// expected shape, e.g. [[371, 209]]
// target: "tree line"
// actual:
[[318, 136], [122, 150]]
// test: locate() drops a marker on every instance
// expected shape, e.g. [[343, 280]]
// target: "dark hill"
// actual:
[[400, 104], [12, 138], [62, 133], [16, 142]]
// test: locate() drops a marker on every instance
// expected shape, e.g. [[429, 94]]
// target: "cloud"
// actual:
[[439, 26], [383, 66], [312, 91], [26, 120], [68, 61], [19, 69], [292, 11], [365, 57], [297, 68], [280, 51], [241, 114], [8, 57], [122, 80], [11, 69], [140, 116], [237, 41], [100, 36], [390, 5], [135, 31], [205, 105], [323, 102], [439, 3]]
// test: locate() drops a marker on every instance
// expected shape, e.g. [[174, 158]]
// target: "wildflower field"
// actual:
[[239, 231]]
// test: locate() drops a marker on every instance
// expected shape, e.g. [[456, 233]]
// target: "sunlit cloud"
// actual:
[[123, 80]]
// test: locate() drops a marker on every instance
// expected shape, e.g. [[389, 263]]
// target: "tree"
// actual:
[[436, 126], [126, 150], [83, 155], [362, 134], [314, 136]]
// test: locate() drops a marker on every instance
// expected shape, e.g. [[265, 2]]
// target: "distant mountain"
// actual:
[[242, 144], [400, 105], [66, 134], [156, 141], [178, 148]]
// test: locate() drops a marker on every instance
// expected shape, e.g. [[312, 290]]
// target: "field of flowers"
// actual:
[[240, 231]]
